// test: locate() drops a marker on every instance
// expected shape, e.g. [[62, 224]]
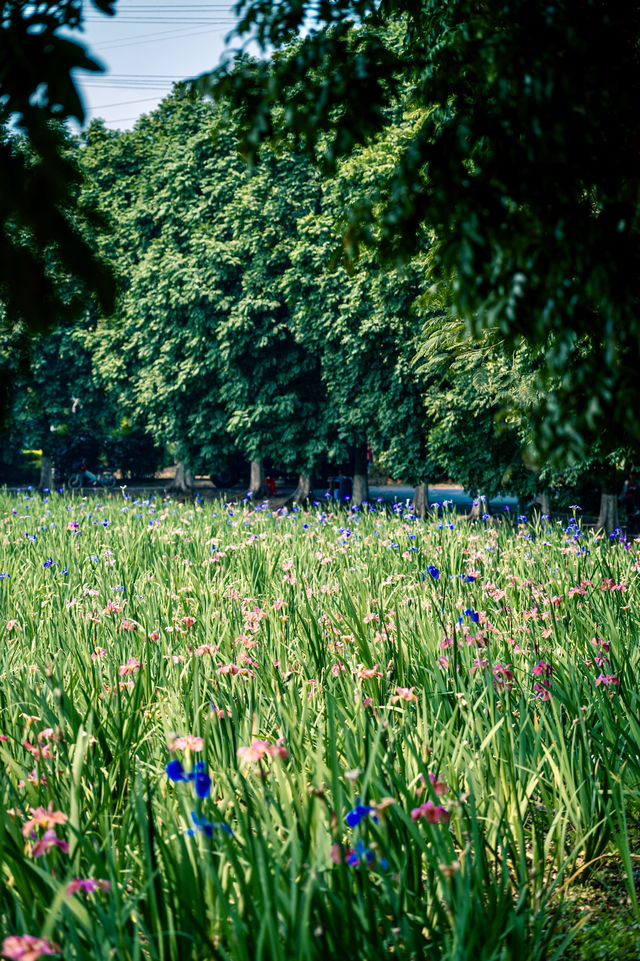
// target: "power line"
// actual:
[[142, 76], [194, 21], [119, 119], [121, 103], [151, 38], [130, 86]]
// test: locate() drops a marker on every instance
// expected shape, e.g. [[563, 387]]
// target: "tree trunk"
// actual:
[[608, 517], [183, 481], [302, 493], [256, 479], [479, 507], [360, 479], [46, 469], [421, 500], [543, 498]]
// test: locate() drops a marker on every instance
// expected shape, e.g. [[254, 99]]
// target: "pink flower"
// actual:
[[432, 813], [479, 664], [607, 679], [404, 694], [503, 676], [542, 668], [258, 749], [41, 818], [130, 667], [440, 787], [337, 854], [48, 840], [219, 712], [188, 741], [541, 691], [41, 753], [234, 670], [26, 947], [205, 649], [88, 885], [365, 673], [112, 607]]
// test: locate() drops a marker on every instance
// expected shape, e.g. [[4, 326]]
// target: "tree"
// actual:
[[39, 208], [168, 185], [468, 387], [357, 319], [55, 404], [524, 165], [47, 267], [270, 377], [201, 350]]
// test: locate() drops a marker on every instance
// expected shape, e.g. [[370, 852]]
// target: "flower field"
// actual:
[[233, 732]]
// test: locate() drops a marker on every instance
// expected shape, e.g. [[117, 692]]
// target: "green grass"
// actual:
[[124, 624]]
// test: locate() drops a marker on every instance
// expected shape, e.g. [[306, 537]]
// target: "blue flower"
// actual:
[[435, 573], [467, 579], [3, 574], [469, 612], [207, 827], [358, 813], [201, 780], [364, 854], [48, 562], [175, 771]]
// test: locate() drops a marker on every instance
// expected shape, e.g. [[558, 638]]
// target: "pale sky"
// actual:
[[145, 47]]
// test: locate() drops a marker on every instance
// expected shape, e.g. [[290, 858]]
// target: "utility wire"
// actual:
[[120, 103], [131, 41], [185, 21]]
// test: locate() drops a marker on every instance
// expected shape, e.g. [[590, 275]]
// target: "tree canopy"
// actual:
[[47, 268], [523, 164]]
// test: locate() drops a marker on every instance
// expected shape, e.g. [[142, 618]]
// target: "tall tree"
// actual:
[[356, 318], [169, 184], [535, 214], [270, 378]]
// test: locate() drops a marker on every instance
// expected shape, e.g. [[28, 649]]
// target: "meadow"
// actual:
[[234, 732]]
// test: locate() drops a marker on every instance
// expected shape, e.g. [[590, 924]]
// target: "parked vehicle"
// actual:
[[79, 477]]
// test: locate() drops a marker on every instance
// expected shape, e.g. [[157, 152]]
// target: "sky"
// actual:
[[144, 48]]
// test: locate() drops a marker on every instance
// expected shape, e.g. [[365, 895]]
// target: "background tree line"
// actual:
[[289, 309]]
